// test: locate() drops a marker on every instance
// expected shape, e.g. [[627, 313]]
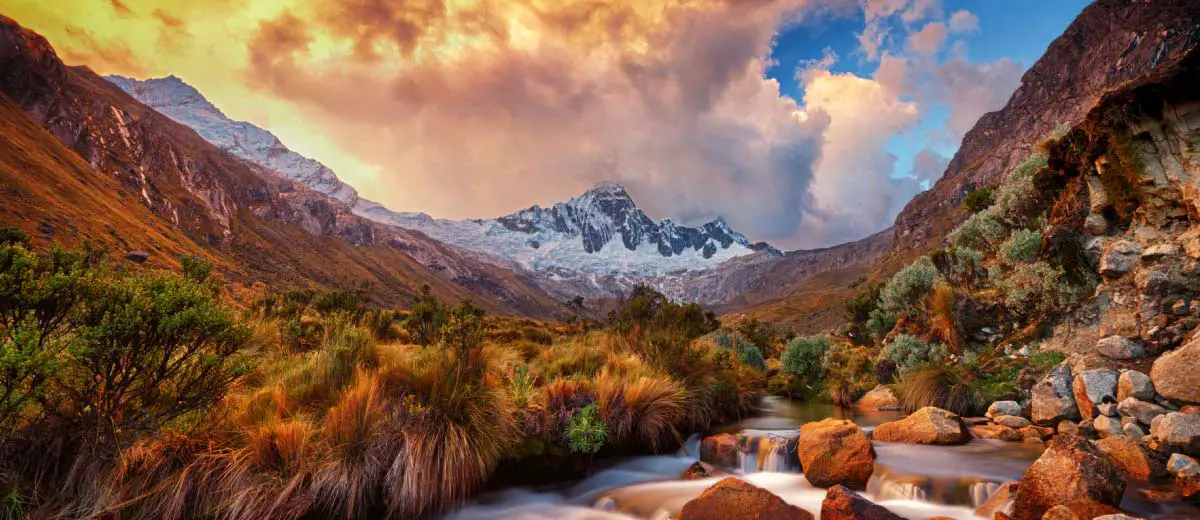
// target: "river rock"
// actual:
[[1068, 427], [1000, 501], [1071, 468], [1120, 347], [699, 471], [879, 398], [1135, 461], [842, 503], [734, 499], [1093, 387], [1036, 432], [1134, 384], [1187, 473], [1053, 399], [1175, 376], [1177, 432], [1083, 509], [999, 408], [929, 425], [1109, 409], [1011, 421], [720, 450], [996, 432], [1120, 258], [1140, 410], [835, 451], [1133, 431], [1118, 516], [1106, 426]]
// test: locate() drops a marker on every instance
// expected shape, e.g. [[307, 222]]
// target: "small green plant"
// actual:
[[981, 232], [1022, 246], [1018, 201], [1044, 360], [752, 357], [979, 199], [958, 265], [586, 432], [1036, 289], [803, 355]]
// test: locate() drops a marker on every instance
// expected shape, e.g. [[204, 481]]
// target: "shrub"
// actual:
[[752, 357], [1022, 246], [958, 265], [425, 318], [1036, 289], [979, 199], [586, 432], [938, 385], [904, 293], [1018, 200], [13, 236], [803, 355], [858, 312], [981, 232], [908, 352]]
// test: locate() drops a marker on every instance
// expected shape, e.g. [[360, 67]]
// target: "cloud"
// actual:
[[929, 165], [929, 39], [963, 21], [922, 10]]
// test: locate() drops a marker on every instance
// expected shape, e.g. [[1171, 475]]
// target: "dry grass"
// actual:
[[943, 323]]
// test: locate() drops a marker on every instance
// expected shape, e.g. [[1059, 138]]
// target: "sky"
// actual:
[[804, 123]]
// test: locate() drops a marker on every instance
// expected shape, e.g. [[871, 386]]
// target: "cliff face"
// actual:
[[258, 224], [1111, 44]]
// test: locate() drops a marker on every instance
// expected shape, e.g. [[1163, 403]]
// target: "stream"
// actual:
[[914, 481]]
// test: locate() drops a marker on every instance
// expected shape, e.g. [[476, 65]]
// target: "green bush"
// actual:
[[1023, 246], [426, 318], [904, 294], [1018, 201], [981, 232], [802, 357], [752, 356], [586, 431], [909, 352], [1036, 289], [979, 199], [958, 265]]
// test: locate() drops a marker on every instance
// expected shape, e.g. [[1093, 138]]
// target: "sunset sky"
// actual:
[[802, 122]]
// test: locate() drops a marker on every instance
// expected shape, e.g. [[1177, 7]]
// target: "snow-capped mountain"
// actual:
[[601, 232], [177, 100]]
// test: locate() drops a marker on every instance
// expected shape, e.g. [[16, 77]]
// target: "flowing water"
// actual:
[[914, 481]]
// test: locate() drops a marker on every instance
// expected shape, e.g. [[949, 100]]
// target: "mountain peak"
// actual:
[[608, 187]]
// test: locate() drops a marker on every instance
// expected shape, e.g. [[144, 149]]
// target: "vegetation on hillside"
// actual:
[[149, 395]]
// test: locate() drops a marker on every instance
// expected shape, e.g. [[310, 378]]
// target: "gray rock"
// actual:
[[137, 256], [1052, 399], [1177, 432], [1120, 258], [1119, 347], [1134, 384], [1003, 408], [1109, 409], [1182, 466], [1140, 410], [1133, 431], [1107, 426], [1095, 224], [1094, 387], [1011, 421], [1175, 374]]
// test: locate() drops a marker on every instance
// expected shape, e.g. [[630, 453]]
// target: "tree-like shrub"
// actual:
[[959, 266], [909, 352], [904, 293], [1022, 246], [802, 357], [1036, 289], [751, 356], [979, 199], [981, 232]]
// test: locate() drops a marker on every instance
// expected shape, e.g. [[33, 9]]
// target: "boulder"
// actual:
[[1187, 473], [1134, 384], [733, 499], [928, 425], [1140, 410], [1083, 509], [1093, 387], [1071, 468], [1118, 516], [720, 450], [698, 471], [1053, 399], [1157, 251], [1106, 426], [1109, 409], [1120, 347], [995, 432], [999, 408], [1011, 421], [1068, 427], [835, 451], [137, 256], [1132, 459], [842, 503], [1177, 432], [1175, 376], [1133, 431], [1036, 432], [879, 398], [1120, 258], [999, 501]]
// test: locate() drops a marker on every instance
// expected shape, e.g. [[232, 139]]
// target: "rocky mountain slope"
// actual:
[[1111, 43], [256, 223]]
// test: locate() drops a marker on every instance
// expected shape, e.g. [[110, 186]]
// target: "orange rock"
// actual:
[[835, 451], [733, 499]]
